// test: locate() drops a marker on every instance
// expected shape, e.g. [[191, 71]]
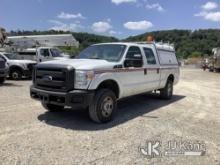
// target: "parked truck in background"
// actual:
[[214, 61], [18, 67], [104, 73], [42, 54]]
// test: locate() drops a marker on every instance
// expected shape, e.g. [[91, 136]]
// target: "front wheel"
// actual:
[[52, 108], [167, 91], [104, 106], [16, 74]]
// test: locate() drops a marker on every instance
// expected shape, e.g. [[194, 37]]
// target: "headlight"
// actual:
[[83, 79]]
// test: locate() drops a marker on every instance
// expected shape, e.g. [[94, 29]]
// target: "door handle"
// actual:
[[145, 71], [158, 70]]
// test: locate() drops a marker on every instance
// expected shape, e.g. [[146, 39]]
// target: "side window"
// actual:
[[45, 52], [150, 56], [134, 57], [134, 52]]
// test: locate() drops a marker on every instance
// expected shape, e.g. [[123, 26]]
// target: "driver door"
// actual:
[[133, 74], [45, 55]]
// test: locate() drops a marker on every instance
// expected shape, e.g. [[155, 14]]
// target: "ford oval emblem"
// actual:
[[47, 78]]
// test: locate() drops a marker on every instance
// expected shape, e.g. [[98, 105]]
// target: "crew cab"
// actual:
[[17, 66], [104, 73], [3, 70]]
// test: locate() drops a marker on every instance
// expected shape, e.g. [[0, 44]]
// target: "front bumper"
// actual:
[[27, 73], [3, 72], [75, 99]]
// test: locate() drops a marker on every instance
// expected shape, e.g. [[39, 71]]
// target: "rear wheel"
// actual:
[[104, 106], [16, 74], [2, 80], [167, 91], [52, 107]]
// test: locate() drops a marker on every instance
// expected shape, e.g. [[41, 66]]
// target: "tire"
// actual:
[[104, 106], [16, 74], [2, 80], [167, 92], [52, 107]]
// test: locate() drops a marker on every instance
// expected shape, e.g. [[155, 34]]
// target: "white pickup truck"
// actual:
[[104, 73], [42, 54]]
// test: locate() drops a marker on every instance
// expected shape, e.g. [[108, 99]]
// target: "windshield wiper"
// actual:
[[97, 58]]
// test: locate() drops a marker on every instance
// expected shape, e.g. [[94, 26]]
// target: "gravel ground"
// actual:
[[31, 135]]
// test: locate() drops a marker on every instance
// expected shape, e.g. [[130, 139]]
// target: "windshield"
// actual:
[[56, 53], [12, 56], [109, 52]]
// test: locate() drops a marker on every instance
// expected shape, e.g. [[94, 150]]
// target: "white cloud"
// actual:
[[210, 6], [155, 6], [141, 25], [65, 27], [118, 2], [101, 27], [56, 22], [207, 14], [210, 16], [112, 32], [64, 15], [213, 16]]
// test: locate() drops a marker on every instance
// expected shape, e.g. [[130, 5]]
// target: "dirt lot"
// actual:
[[30, 135]]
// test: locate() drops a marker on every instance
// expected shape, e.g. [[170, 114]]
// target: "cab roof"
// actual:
[[161, 46]]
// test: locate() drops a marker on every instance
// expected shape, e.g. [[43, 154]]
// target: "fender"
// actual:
[[15, 67], [99, 78]]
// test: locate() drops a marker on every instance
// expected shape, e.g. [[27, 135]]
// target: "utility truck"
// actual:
[[104, 73]]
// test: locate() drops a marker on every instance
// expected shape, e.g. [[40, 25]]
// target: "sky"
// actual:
[[119, 18]]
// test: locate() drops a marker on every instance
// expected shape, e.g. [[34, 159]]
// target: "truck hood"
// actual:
[[83, 64], [22, 61], [61, 58]]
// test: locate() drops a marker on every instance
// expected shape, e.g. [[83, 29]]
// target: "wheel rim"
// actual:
[[107, 106], [15, 75]]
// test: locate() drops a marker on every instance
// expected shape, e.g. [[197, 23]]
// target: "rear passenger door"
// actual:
[[152, 69]]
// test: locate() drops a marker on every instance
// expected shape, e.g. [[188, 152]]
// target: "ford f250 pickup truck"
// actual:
[[104, 73]]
